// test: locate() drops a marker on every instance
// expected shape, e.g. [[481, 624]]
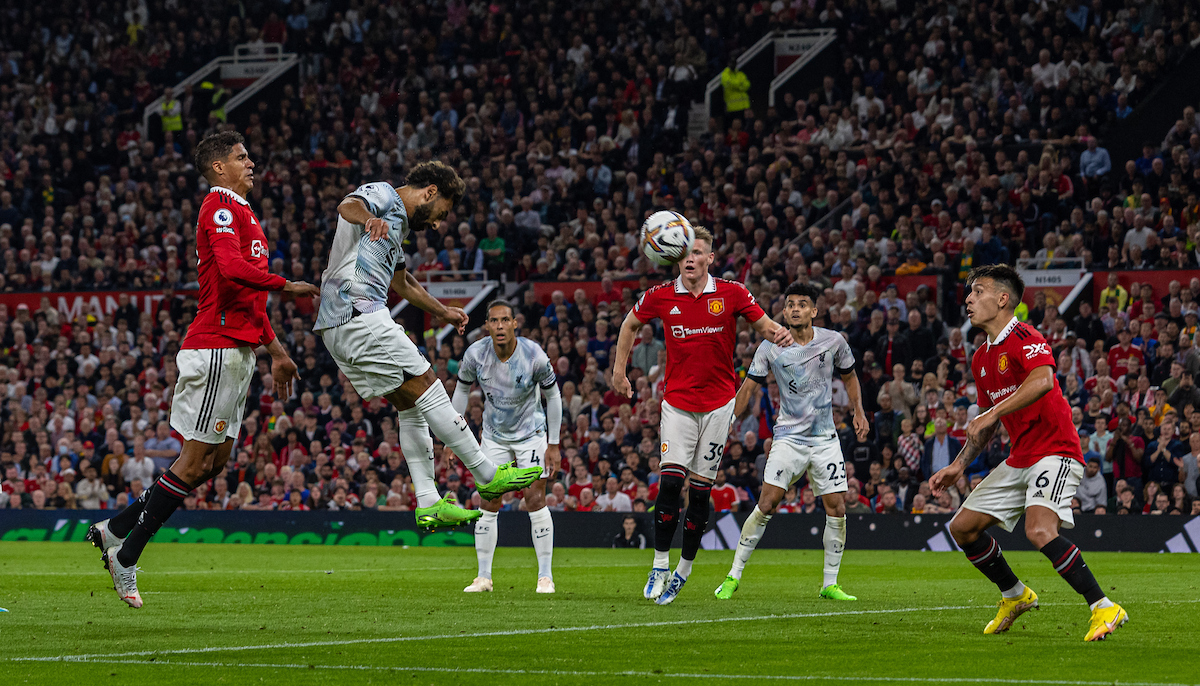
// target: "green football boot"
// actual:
[[835, 592], [509, 478], [726, 589], [445, 513]]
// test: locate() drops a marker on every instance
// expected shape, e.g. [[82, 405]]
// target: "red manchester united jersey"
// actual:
[[701, 333], [234, 280], [1000, 367]]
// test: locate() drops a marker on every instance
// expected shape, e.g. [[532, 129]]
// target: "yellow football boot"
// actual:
[[1010, 609], [1105, 620]]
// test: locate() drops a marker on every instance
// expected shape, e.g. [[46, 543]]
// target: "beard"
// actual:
[[421, 218]]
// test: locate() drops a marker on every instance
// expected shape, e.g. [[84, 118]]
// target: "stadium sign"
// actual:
[[592, 530], [74, 303]]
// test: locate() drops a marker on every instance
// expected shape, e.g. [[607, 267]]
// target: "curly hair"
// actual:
[[449, 184]]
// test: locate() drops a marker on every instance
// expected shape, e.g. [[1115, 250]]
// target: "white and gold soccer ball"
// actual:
[[667, 237]]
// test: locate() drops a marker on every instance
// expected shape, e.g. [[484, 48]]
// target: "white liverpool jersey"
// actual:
[[512, 408], [805, 377], [360, 270]]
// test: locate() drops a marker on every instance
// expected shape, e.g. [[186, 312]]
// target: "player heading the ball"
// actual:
[[699, 319]]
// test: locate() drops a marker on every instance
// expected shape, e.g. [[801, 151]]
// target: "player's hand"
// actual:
[[456, 317], [376, 228], [621, 385], [552, 460], [946, 477], [301, 288], [977, 427], [862, 428], [284, 372], [782, 337]]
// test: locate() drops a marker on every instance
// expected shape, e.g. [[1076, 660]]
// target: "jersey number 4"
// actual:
[[535, 459]]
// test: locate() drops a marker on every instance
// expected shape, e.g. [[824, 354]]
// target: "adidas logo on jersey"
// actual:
[[1038, 495], [675, 310]]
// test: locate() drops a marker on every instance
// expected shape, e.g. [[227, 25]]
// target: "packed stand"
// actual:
[[976, 144]]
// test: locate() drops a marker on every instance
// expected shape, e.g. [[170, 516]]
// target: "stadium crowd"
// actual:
[[954, 135]]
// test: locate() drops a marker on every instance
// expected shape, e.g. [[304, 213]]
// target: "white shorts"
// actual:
[[822, 461], [374, 353], [695, 440], [210, 394], [1008, 491], [530, 452]]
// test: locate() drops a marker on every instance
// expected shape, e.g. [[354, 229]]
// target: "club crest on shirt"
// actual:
[[716, 305], [666, 445], [1002, 363], [220, 426]]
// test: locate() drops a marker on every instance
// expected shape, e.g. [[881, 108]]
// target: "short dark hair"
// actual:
[[1002, 275], [807, 290], [500, 302], [215, 148], [435, 173]]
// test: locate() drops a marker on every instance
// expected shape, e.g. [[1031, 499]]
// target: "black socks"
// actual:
[[166, 495]]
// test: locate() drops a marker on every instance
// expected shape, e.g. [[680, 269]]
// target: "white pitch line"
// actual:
[[669, 675], [483, 634]]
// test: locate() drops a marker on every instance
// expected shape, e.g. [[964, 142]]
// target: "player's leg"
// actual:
[[486, 531], [532, 453], [827, 474], [432, 511], [999, 499], [1055, 480], [706, 456], [678, 433], [206, 411], [752, 531]]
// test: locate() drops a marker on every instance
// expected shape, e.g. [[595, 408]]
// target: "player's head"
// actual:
[[994, 291], [800, 304], [501, 322], [439, 188], [223, 160], [696, 264]]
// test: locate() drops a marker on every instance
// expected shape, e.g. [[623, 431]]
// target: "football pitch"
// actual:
[[314, 615]]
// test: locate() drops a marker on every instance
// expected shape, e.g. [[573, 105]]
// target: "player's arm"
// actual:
[[746, 396], [554, 415], [861, 426], [227, 251], [407, 287], [462, 395], [770, 330], [1038, 383], [629, 331], [354, 210]]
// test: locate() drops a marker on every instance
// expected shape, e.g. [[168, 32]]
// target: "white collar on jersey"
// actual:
[[1012, 324], [710, 287], [230, 193]]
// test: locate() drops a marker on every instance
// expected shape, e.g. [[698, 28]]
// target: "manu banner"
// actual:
[[1147, 534], [74, 303]]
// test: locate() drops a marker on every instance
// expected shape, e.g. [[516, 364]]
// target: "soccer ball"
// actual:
[[667, 237]]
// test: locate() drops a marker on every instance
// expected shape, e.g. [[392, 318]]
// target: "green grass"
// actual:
[[919, 617]]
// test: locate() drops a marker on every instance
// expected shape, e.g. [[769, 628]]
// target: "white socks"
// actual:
[[417, 446], [542, 527], [485, 542], [684, 568], [835, 543], [1103, 602], [451, 428], [1014, 592], [662, 559], [752, 531]]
